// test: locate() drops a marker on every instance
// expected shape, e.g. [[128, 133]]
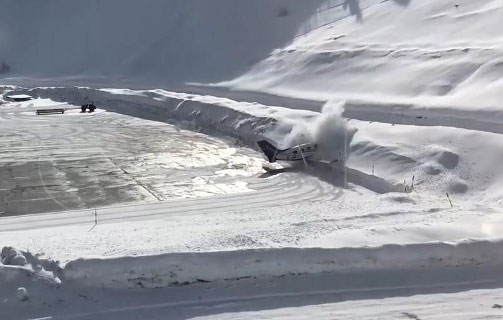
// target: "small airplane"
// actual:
[[295, 153]]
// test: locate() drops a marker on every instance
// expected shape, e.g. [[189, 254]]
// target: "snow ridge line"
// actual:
[[185, 268]]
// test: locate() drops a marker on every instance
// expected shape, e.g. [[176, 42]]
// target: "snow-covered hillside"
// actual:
[[155, 40], [430, 50]]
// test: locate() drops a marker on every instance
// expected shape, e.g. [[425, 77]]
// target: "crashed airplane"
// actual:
[[295, 153]]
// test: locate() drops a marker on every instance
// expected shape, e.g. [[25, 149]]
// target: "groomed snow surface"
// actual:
[[399, 217]]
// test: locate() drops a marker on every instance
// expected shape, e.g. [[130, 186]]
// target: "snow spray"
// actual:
[[329, 130]]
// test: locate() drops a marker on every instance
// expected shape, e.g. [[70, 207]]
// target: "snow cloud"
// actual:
[[329, 130]]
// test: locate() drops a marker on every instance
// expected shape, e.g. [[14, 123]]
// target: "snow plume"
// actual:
[[331, 133], [329, 130]]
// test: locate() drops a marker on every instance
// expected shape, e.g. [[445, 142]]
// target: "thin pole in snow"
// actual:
[[95, 220], [449, 198], [345, 156]]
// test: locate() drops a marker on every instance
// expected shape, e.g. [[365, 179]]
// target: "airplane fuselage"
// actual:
[[297, 153]]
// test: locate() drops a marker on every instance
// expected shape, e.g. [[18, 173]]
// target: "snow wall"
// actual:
[[174, 269], [185, 268]]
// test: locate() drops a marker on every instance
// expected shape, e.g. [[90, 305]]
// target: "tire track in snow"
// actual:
[[303, 190]]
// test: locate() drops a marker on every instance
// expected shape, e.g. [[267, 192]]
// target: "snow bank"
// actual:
[[184, 268]]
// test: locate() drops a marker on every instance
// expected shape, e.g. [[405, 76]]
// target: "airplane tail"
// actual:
[[269, 150]]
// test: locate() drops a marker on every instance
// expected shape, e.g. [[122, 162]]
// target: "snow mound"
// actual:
[[20, 268], [12, 257], [185, 268]]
